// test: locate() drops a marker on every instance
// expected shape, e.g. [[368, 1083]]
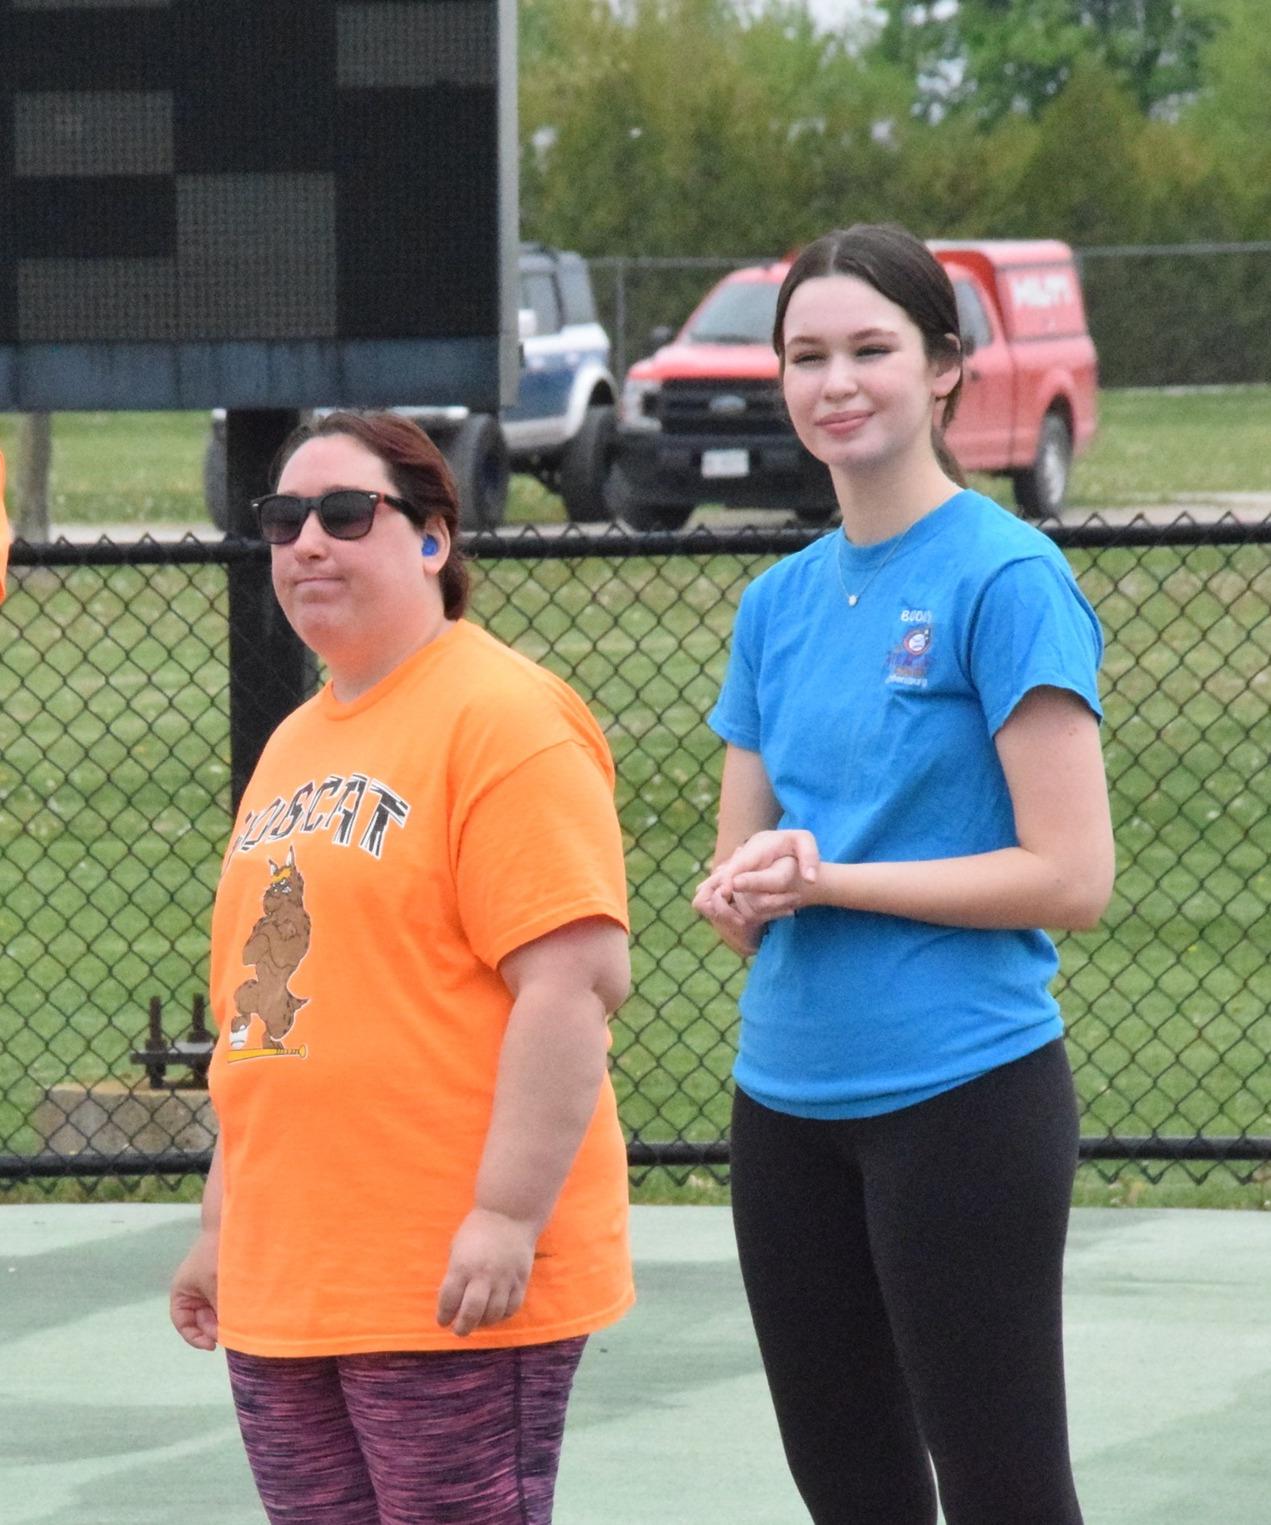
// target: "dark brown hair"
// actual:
[[901, 268], [418, 472]]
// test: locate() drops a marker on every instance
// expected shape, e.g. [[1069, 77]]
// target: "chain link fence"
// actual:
[[1160, 314], [115, 803]]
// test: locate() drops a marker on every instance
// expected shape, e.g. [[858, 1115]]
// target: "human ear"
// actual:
[[947, 365], [435, 543]]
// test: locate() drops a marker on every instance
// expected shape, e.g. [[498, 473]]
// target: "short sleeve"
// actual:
[[736, 713], [1033, 628], [539, 849]]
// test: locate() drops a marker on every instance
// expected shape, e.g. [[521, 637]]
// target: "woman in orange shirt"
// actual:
[[417, 1207]]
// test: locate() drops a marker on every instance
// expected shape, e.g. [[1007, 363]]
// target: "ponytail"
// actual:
[[945, 458]]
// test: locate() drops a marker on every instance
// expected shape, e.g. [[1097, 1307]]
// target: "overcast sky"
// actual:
[[833, 13]]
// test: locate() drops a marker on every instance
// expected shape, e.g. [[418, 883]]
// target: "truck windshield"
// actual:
[[740, 313]]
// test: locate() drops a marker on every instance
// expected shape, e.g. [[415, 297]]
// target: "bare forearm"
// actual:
[[213, 1190], [550, 1072], [1009, 888], [192, 1297]]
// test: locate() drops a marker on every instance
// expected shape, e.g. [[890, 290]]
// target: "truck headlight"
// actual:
[[639, 403]]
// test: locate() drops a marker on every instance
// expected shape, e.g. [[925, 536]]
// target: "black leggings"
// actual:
[[904, 1277]]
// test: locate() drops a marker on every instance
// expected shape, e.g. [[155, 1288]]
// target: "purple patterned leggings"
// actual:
[[468, 1437]]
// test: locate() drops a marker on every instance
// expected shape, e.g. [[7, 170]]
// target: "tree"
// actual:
[[995, 57], [1082, 181], [681, 127], [1231, 117], [686, 127], [32, 519]]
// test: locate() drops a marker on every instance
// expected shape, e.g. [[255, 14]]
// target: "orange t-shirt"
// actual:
[[387, 855], [4, 533]]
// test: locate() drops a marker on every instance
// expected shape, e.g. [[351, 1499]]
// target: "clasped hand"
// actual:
[[771, 875]]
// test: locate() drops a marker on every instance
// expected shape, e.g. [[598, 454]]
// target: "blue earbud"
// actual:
[[429, 546]]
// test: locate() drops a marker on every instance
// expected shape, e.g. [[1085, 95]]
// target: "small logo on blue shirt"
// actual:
[[908, 659]]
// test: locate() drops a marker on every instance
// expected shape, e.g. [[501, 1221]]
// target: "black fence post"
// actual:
[[270, 670]]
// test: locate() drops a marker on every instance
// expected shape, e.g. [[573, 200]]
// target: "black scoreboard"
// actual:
[[256, 203]]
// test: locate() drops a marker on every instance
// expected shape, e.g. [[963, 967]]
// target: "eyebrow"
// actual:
[[861, 333], [339, 487]]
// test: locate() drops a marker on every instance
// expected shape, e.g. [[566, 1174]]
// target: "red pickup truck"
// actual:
[[702, 419]]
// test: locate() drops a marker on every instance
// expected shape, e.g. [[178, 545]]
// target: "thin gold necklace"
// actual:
[[854, 598]]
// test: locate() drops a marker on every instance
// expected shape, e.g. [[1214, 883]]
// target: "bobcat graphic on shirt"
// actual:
[[276, 945]]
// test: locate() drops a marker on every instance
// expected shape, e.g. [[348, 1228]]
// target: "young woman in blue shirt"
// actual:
[[913, 789]]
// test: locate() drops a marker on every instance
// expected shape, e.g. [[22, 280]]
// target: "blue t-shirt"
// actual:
[[876, 724]]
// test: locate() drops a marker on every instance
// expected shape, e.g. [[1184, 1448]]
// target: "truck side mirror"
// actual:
[[662, 334], [526, 323]]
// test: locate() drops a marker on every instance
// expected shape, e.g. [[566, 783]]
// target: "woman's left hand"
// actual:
[[728, 915], [491, 1258], [771, 875]]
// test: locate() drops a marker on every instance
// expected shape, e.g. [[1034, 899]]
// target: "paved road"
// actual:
[[1244, 507]]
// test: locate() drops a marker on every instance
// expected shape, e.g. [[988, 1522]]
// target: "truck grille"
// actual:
[[722, 407]]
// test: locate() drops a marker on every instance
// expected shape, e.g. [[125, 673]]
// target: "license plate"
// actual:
[[725, 463]]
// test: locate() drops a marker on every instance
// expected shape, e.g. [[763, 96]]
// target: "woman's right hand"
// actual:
[[767, 878], [192, 1297], [772, 874]]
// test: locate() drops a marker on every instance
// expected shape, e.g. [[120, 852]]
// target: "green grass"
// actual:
[[120, 468], [114, 805], [1151, 447], [147, 469], [1163, 447]]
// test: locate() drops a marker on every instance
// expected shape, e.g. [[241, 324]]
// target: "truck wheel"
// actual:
[[215, 489], [638, 514], [649, 516], [1040, 488], [478, 456], [584, 468]]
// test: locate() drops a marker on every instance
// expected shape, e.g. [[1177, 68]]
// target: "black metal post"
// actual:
[[270, 670], [156, 1044]]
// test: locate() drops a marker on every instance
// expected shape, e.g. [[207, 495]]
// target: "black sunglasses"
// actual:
[[346, 514]]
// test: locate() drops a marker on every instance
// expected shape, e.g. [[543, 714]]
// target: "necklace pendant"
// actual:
[[851, 600]]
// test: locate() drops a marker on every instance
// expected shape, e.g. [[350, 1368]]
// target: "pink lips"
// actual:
[[842, 423]]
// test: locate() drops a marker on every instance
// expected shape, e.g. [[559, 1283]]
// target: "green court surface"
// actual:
[[107, 1419]]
